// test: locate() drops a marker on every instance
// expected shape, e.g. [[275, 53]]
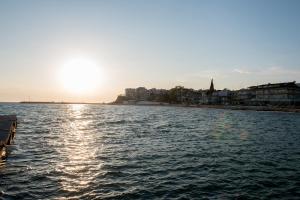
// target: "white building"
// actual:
[[130, 93]]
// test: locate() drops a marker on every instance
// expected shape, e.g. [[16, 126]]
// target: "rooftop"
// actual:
[[275, 85]]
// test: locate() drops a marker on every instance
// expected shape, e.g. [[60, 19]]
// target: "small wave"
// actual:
[[111, 152]]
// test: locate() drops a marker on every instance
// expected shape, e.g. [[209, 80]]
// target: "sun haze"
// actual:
[[152, 44], [80, 76]]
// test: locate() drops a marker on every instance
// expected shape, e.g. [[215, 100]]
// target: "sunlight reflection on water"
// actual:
[[79, 165]]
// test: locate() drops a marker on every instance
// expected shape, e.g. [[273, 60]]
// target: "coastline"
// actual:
[[226, 107], [54, 102]]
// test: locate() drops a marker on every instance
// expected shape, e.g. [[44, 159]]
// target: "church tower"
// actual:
[[211, 89]]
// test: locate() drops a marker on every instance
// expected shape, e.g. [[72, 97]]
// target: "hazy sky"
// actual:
[[146, 43]]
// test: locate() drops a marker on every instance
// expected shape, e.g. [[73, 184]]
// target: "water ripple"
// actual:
[[127, 152]]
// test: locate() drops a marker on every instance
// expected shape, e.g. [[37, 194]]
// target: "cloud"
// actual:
[[270, 71], [280, 71], [241, 71]]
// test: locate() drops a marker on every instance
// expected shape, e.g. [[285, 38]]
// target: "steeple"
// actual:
[[211, 89]]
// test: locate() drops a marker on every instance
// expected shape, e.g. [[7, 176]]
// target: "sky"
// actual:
[[150, 43]]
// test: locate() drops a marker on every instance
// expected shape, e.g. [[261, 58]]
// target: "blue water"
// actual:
[[140, 152]]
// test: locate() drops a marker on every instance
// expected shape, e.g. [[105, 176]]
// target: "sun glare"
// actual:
[[80, 75]]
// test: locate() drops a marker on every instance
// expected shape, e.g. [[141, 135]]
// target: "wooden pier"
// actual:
[[8, 125]]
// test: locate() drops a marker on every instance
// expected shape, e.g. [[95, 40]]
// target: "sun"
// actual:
[[80, 75]]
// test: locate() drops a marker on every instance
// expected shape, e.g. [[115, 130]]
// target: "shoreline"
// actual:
[[54, 102], [225, 107]]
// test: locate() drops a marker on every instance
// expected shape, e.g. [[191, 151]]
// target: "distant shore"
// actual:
[[254, 108], [54, 102], [227, 107]]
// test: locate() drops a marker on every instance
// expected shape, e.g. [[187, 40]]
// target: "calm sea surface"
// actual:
[[140, 152]]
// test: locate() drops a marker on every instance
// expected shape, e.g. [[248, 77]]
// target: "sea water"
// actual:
[[150, 152]]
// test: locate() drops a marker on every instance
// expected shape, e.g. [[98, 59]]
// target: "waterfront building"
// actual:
[[224, 96], [276, 94], [190, 96], [158, 95], [130, 93], [204, 97], [242, 97], [142, 93], [154, 91]]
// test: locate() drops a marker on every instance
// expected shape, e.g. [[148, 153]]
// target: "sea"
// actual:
[[82, 151]]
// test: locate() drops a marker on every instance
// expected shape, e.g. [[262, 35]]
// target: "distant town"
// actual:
[[285, 94]]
